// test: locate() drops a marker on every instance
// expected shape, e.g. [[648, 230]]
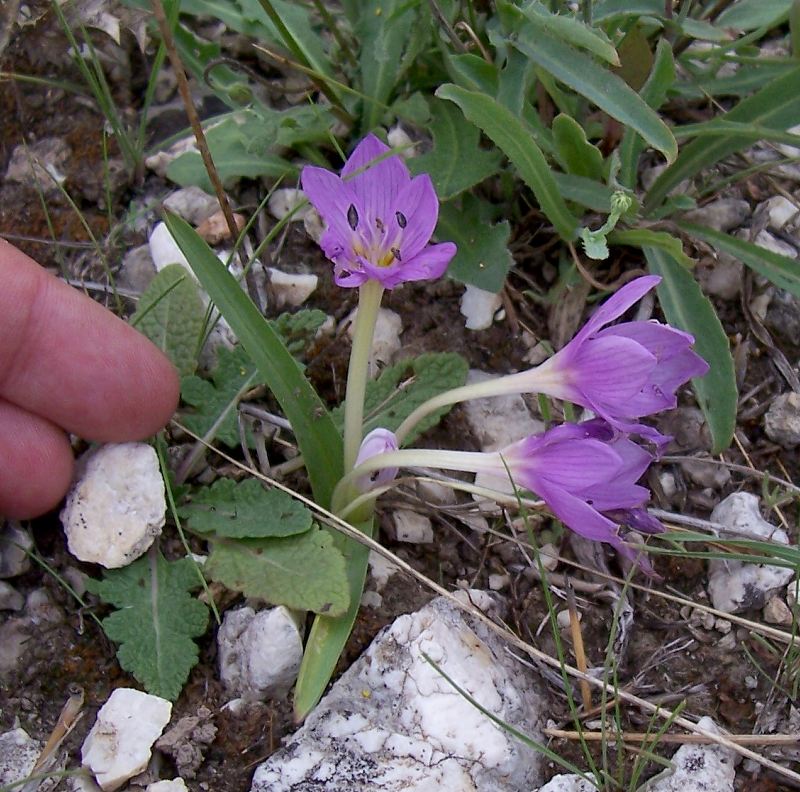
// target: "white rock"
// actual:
[[159, 162], [398, 138], [393, 722], [706, 474], [10, 598], [40, 609], [41, 164], [18, 755], [313, 225], [793, 592], [290, 288], [380, 569], [479, 307], [412, 527], [175, 785], [498, 582], [548, 554], [192, 204], [385, 341], [721, 277], [259, 653], [15, 543], [782, 420], [436, 494], [137, 269], [734, 586], [14, 635], [119, 744], [723, 214], [697, 768], [567, 782], [371, 599], [164, 249], [776, 611], [781, 211], [82, 783], [116, 508], [787, 149], [769, 242], [500, 420], [284, 200]]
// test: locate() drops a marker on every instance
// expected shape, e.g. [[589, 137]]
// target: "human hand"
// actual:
[[66, 365]]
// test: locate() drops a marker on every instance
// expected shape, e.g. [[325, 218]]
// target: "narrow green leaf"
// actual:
[[316, 434], [591, 194], [328, 635], [473, 73], [305, 571], [457, 162], [578, 156], [780, 270], [776, 105], [754, 14], [245, 510], [483, 258], [644, 237], [715, 128], [171, 315], [597, 84], [156, 620], [512, 137], [686, 307]]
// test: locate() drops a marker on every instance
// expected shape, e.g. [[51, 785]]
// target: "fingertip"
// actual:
[[38, 463]]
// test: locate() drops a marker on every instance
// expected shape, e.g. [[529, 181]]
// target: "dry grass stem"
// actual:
[[681, 739]]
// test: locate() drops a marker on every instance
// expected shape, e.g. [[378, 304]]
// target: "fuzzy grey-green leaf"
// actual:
[[305, 571], [246, 509], [171, 315]]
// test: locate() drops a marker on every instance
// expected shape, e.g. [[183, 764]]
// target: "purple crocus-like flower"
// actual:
[[378, 441], [587, 474], [625, 371], [379, 219]]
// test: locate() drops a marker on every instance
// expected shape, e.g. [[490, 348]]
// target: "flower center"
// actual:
[[374, 244]]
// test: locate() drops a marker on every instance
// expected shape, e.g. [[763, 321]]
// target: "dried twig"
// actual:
[[682, 739]]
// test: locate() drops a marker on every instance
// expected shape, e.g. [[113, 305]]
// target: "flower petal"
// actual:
[[378, 183], [429, 264], [418, 209], [617, 304], [331, 197], [377, 442], [579, 516]]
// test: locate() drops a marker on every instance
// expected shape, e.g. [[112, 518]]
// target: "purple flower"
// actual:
[[379, 220], [586, 473], [625, 371], [378, 441]]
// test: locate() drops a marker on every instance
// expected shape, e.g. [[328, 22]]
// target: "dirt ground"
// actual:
[[670, 655]]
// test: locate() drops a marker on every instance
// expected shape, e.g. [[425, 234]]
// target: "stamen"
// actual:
[[352, 217], [379, 224], [396, 253], [401, 219]]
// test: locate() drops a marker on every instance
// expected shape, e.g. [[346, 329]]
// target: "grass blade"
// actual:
[[686, 307], [513, 138]]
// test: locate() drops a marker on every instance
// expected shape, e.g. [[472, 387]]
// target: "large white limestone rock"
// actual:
[[259, 653], [117, 507], [394, 722], [18, 755], [119, 744]]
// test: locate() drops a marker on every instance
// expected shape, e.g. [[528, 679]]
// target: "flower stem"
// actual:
[[369, 301]]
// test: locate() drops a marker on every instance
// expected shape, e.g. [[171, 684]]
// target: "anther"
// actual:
[[379, 224], [396, 253], [401, 219], [352, 217]]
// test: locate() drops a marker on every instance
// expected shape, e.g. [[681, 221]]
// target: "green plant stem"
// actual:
[[369, 301]]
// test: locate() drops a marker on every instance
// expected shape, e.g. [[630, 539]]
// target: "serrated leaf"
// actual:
[[305, 572], [483, 258], [245, 510], [402, 388], [686, 307], [296, 330], [457, 162], [170, 313], [215, 402], [517, 143], [156, 620]]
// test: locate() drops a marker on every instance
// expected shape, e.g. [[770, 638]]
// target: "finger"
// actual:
[[68, 359], [37, 463]]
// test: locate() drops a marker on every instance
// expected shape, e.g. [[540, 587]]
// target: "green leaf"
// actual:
[[305, 572], [776, 105], [512, 137], [170, 313], [319, 442], [591, 194], [215, 402], [232, 159], [245, 510], [156, 620], [483, 258], [686, 307], [401, 388], [643, 237], [298, 329], [457, 162], [754, 14], [576, 154], [597, 84], [473, 73], [780, 270]]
